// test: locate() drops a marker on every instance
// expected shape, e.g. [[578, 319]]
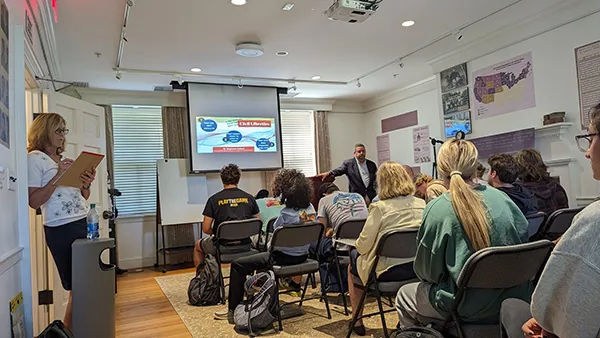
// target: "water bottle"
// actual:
[[93, 223]]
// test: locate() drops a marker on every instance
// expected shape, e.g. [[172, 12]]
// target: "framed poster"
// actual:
[[454, 77]]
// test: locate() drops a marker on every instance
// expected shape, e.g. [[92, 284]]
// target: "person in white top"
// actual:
[[64, 209]]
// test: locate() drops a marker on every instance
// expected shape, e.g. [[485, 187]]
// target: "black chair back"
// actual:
[[237, 230], [536, 222], [270, 224], [350, 229], [558, 223], [400, 243], [294, 235]]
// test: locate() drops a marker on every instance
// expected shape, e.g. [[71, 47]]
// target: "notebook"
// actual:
[[85, 161]]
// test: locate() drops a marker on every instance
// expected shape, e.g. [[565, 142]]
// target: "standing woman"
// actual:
[[64, 209]]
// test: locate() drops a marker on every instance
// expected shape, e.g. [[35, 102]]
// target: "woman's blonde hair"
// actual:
[[41, 129], [393, 181], [457, 161]]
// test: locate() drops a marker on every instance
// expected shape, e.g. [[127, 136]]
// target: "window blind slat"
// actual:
[[298, 141], [138, 143]]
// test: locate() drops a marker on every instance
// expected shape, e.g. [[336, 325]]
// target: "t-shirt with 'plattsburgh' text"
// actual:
[[230, 205]]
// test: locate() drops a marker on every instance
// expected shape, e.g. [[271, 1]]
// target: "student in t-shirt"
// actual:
[[269, 208], [229, 204], [335, 208], [295, 192]]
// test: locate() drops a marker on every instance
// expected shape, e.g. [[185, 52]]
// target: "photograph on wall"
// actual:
[[456, 100], [587, 59], [454, 77], [504, 87], [421, 145], [4, 112], [455, 122]]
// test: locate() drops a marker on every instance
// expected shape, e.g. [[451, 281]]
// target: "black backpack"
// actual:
[[417, 332], [56, 329], [204, 288]]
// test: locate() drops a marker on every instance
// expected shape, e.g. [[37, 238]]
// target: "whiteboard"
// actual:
[[182, 196]]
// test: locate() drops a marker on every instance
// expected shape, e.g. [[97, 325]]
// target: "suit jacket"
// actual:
[[355, 181]]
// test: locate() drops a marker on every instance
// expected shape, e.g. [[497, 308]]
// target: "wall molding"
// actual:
[[559, 162], [584, 201], [9, 259], [554, 17], [137, 262], [554, 131], [400, 94]]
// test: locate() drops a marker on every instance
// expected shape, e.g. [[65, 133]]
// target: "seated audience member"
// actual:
[[481, 170], [269, 208], [397, 209], [295, 192], [409, 170], [229, 204], [421, 183], [335, 208], [550, 195], [565, 302], [503, 174], [468, 218], [435, 189]]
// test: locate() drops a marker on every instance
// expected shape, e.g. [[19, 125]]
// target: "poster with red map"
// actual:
[[504, 87]]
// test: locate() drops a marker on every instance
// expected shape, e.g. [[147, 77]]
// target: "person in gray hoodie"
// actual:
[[565, 302]]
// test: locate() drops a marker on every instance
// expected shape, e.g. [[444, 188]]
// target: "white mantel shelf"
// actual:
[[553, 131]]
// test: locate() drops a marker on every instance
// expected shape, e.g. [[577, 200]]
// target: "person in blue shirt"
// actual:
[[295, 192]]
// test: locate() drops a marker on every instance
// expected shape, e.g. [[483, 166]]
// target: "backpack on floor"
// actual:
[[417, 332], [204, 288], [56, 329], [258, 311], [328, 273]]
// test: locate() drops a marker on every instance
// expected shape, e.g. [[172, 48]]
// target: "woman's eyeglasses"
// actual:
[[63, 131], [584, 142]]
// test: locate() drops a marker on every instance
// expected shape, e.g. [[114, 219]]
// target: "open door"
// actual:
[[86, 124]]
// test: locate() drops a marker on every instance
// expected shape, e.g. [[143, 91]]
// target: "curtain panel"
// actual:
[[322, 148], [176, 134]]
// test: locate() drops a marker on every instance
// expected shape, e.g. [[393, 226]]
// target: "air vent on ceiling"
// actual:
[[290, 94], [163, 88]]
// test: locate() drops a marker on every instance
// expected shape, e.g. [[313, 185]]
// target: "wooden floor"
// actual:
[[143, 311]]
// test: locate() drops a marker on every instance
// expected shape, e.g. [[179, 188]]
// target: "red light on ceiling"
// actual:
[[55, 10]]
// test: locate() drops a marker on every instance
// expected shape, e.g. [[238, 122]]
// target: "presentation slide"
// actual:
[[229, 124], [235, 135]]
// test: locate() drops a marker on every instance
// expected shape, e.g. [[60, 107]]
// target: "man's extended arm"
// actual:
[[339, 171]]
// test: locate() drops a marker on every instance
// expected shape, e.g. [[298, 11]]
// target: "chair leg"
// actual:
[[278, 304], [304, 290], [222, 286], [356, 311], [381, 313], [457, 323], [324, 295], [313, 281], [340, 282]]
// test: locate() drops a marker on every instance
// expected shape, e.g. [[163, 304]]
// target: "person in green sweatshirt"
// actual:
[[467, 218]]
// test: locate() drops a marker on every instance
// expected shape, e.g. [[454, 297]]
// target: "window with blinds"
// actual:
[[138, 143], [298, 141]]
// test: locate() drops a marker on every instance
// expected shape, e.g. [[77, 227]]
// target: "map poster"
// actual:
[[504, 88], [383, 148], [4, 115], [587, 59], [506, 143], [421, 145]]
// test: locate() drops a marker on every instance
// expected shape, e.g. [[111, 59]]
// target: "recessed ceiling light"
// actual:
[[282, 53], [408, 23], [287, 7], [316, 77], [238, 2], [196, 70]]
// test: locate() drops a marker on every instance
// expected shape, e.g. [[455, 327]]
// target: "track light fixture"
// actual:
[[240, 84], [118, 76], [358, 83]]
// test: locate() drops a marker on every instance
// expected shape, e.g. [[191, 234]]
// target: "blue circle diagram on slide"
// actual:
[[208, 125], [234, 136], [263, 144]]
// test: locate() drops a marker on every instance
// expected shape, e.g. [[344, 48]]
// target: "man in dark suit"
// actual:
[[360, 172]]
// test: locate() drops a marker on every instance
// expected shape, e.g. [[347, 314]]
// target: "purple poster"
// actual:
[[504, 88], [507, 143]]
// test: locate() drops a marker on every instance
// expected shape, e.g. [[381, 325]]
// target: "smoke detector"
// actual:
[[249, 49]]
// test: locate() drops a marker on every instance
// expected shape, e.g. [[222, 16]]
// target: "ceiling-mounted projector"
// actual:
[[352, 11]]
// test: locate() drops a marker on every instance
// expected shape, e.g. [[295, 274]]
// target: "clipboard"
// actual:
[[85, 161]]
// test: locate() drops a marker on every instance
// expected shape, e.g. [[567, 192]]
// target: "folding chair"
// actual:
[[289, 236], [401, 244], [234, 231], [497, 268], [269, 231], [349, 230], [536, 221], [557, 224]]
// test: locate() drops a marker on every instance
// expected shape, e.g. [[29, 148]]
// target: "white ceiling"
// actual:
[[177, 35]]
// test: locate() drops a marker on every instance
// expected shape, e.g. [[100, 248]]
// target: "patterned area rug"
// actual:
[[314, 323]]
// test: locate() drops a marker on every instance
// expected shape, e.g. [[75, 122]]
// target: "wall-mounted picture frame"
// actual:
[[454, 77], [459, 121], [456, 100]]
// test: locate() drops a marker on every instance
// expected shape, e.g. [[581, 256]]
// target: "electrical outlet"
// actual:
[[12, 180]]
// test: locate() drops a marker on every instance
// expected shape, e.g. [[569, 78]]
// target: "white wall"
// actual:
[[345, 130]]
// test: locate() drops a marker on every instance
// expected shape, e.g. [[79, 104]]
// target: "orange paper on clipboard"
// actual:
[[85, 161]]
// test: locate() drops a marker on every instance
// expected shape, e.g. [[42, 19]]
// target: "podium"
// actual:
[[93, 289], [317, 182]]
